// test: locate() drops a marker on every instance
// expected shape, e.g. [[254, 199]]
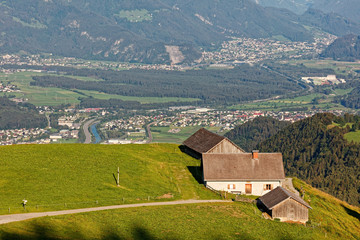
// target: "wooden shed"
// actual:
[[285, 205], [204, 141]]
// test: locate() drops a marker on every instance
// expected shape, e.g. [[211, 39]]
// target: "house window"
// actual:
[[268, 186], [231, 186]]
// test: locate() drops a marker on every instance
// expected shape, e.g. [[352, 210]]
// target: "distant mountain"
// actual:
[[296, 6], [346, 48], [346, 8], [154, 31], [251, 133], [314, 149], [330, 22]]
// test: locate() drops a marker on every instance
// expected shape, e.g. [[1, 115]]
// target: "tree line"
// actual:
[[315, 150], [15, 116]]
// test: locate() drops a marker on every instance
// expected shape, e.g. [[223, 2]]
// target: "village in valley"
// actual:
[[132, 126]]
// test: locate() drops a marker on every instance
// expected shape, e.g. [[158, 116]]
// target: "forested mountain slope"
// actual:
[[315, 150], [15, 116], [346, 48], [345, 8], [142, 31], [251, 133]]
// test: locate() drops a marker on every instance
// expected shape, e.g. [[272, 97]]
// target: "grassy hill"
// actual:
[[54, 177], [330, 218]]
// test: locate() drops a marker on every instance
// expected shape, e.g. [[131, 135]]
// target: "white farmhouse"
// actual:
[[243, 173]]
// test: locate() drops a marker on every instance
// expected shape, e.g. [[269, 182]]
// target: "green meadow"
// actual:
[[55, 96], [330, 218], [63, 176], [340, 67], [306, 101], [353, 136]]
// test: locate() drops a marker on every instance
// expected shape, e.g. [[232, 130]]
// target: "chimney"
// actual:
[[255, 154]]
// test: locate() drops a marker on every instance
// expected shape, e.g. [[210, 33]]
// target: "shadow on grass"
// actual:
[[42, 232], [196, 173], [352, 212], [190, 152], [137, 232], [115, 178]]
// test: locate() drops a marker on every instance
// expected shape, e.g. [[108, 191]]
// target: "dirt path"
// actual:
[[289, 185], [24, 216]]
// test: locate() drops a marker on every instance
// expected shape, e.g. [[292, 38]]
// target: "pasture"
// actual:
[[62, 176], [330, 218]]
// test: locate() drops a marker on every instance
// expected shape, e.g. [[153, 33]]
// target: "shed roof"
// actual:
[[278, 195], [241, 166], [203, 140]]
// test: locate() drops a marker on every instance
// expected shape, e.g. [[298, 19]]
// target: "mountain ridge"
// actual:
[[131, 31]]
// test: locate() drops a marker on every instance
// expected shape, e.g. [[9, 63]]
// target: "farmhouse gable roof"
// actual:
[[278, 195], [242, 166], [203, 141]]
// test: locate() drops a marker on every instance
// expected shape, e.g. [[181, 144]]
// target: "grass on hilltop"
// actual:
[[330, 218], [61, 176]]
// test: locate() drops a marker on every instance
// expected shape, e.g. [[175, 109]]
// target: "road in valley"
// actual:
[[150, 138], [85, 128]]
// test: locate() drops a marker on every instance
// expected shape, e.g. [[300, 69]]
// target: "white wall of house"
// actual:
[[258, 188]]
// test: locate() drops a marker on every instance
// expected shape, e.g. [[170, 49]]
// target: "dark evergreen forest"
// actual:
[[14, 116], [315, 150], [250, 134]]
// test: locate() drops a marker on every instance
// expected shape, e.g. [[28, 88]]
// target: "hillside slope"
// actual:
[[330, 218], [346, 48], [144, 31], [315, 150], [346, 8], [61, 176], [16, 116], [251, 133]]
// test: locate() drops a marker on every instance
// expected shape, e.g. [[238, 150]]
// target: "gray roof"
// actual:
[[203, 140], [278, 195], [241, 166]]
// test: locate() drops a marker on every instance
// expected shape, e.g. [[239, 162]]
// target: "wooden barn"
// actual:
[[204, 141], [285, 205], [243, 173]]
